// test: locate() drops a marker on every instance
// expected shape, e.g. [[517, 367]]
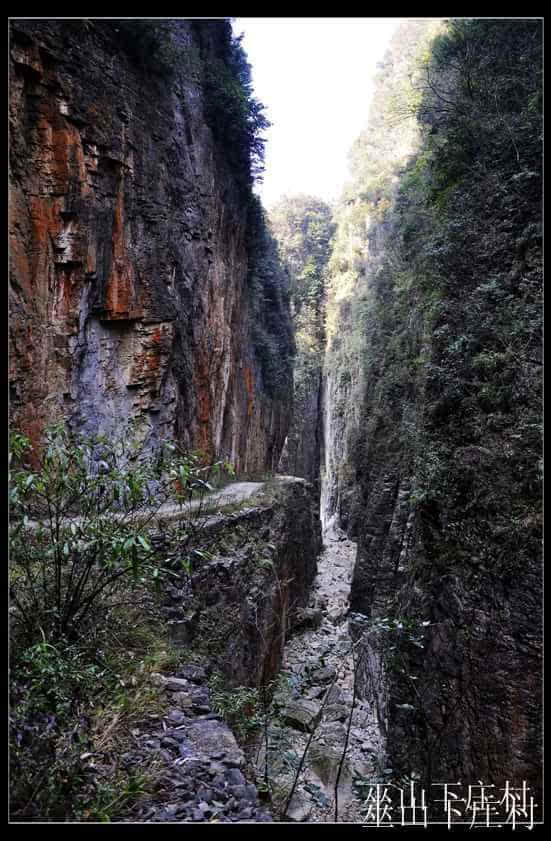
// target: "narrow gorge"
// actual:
[[275, 474]]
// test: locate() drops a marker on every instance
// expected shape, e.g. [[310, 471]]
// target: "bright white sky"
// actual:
[[315, 77]]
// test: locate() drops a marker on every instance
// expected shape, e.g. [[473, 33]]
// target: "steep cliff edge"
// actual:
[[240, 606], [130, 244], [434, 401]]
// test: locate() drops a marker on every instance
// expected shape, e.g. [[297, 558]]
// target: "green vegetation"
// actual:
[[217, 62], [471, 233], [268, 287], [85, 628], [303, 228], [80, 521], [435, 327], [239, 706], [72, 707], [450, 314], [235, 115]]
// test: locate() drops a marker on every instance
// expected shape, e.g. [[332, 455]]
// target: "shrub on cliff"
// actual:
[[79, 527], [217, 60], [85, 628], [234, 114], [303, 228]]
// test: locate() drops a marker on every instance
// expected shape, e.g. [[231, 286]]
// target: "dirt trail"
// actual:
[[236, 492], [207, 505]]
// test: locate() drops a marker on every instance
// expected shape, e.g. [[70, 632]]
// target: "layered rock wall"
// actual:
[[128, 249], [303, 228]]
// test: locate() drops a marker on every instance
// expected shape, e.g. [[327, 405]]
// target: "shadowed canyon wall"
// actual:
[[303, 228], [129, 246], [433, 400]]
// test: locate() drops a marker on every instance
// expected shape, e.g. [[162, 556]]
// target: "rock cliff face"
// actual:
[[246, 598], [303, 446], [433, 411], [363, 223], [303, 228], [128, 249]]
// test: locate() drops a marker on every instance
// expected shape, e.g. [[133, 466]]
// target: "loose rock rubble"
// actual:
[[201, 778], [319, 670]]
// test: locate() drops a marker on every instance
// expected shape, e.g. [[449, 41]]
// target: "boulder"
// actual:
[[300, 808], [324, 675], [301, 714]]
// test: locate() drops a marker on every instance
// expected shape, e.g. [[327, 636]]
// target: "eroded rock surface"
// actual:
[[431, 465], [128, 249], [247, 593]]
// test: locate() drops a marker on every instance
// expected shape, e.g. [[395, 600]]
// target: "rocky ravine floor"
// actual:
[[318, 660], [203, 777], [200, 765]]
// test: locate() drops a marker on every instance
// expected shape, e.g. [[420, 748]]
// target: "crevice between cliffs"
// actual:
[[322, 721], [326, 742]]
